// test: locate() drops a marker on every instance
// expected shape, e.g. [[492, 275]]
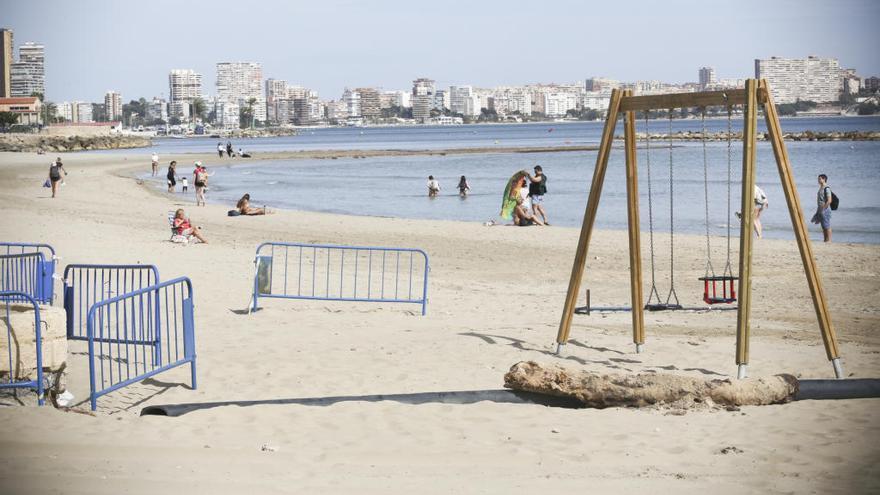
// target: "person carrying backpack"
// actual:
[[55, 170], [826, 201]]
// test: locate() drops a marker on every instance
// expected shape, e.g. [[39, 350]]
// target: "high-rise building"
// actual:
[[707, 77], [510, 100], [113, 105], [352, 101], [240, 83], [462, 100], [276, 92], [369, 102], [155, 110], [184, 86], [28, 75], [559, 103], [807, 79], [423, 99], [6, 53], [601, 84], [83, 112], [872, 83], [227, 114]]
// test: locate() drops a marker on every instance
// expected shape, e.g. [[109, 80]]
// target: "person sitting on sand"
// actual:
[[245, 208], [185, 228], [243, 154], [523, 217]]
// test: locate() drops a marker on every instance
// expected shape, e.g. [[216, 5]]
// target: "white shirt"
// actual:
[[155, 158], [434, 185], [524, 194], [760, 197]]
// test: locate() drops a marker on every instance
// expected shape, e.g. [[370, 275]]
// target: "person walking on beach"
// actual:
[[155, 159], [55, 170], [433, 187], [761, 204], [537, 190], [463, 187], [200, 180], [220, 149], [823, 209], [172, 175], [229, 149]]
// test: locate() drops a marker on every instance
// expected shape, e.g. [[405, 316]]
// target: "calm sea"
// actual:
[[395, 186]]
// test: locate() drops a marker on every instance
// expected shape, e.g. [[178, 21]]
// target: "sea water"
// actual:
[[395, 186]]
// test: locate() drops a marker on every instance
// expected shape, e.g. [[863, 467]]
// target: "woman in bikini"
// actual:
[[245, 208]]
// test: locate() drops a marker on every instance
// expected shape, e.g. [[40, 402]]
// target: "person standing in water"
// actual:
[[463, 187], [823, 208], [155, 159], [433, 187], [220, 149], [172, 176]]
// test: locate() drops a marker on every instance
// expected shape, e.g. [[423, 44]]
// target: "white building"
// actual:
[[227, 114], [597, 100], [423, 99], [510, 100], [113, 105], [65, 110], [156, 110], [184, 86], [28, 75], [83, 112], [463, 100], [557, 104], [352, 100], [239, 82], [807, 79]]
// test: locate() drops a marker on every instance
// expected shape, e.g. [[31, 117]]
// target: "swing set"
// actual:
[[720, 290]]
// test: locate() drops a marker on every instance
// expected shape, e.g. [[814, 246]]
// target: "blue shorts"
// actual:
[[823, 217]]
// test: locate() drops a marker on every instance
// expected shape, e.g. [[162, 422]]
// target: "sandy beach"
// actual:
[[495, 298]]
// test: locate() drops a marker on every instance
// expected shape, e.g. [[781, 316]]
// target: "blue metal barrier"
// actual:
[[9, 296], [47, 268], [340, 273], [85, 285], [22, 273], [140, 334]]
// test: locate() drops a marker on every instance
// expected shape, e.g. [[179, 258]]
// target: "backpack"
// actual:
[[835, 202]]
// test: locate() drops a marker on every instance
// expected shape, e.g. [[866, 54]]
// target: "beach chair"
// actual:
[[175, 237]]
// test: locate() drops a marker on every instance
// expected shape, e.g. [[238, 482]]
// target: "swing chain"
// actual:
[[728, 270], [653, 292], [672, 294], [709, 267]]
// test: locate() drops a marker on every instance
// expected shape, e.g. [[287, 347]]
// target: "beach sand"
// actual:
[[496, 295]]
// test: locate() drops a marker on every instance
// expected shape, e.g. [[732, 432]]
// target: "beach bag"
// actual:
[[47, 183], [835, 202], [233, 213]]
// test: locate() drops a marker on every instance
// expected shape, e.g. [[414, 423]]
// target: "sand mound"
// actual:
[[595, 390]]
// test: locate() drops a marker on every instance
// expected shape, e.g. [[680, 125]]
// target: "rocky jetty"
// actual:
[[38, 142], [787, 136]]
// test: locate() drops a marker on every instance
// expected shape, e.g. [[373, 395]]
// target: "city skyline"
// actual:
[[478, 49]]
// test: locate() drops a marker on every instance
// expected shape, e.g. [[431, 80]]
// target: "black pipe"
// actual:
[[852, 388]]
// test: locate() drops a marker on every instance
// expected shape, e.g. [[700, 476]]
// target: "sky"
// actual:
[[93, 46]]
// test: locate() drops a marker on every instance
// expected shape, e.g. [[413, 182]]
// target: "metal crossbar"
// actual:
[[47, 268], [85, 285], [340, 273], [13, 350], [140, 334]]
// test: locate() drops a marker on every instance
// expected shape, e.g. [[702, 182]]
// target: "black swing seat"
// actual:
[[662, 307]]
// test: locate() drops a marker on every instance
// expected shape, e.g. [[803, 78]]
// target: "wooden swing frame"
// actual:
[[755, 93]]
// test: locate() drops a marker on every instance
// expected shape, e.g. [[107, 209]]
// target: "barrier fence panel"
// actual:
[[47, 268], [22, 273], [85, 285], [13, 362], [341, 273], [139, 334]]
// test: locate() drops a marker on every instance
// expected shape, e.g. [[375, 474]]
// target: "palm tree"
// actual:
[[198, 108], [250, 103]]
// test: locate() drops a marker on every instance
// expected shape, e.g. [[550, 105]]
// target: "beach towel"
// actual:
[[511, 192]]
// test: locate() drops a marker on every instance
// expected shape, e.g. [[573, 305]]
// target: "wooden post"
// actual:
[[632, 211], [745, 236], [580, 258], [799, 226]]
